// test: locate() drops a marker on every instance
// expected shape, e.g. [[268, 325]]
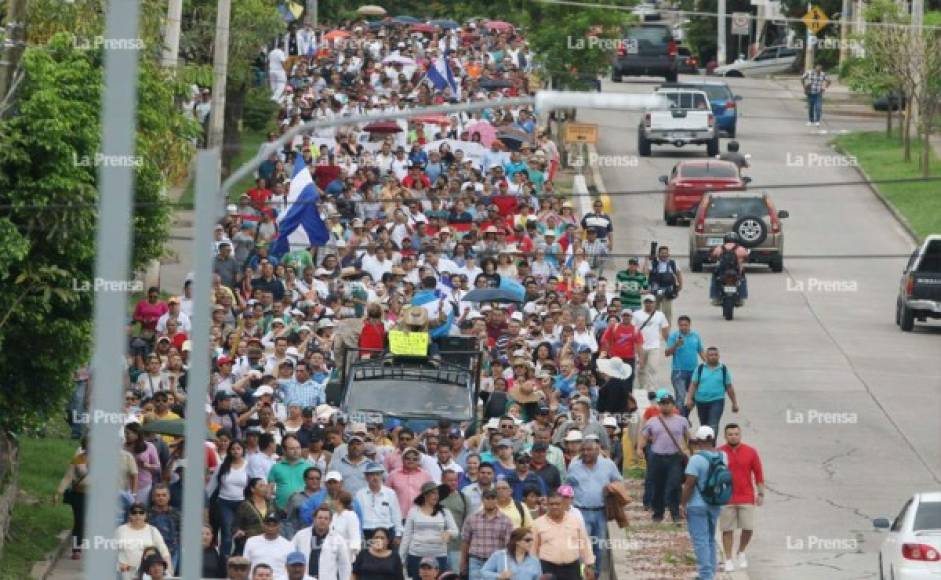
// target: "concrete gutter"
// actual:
[[42, 569]]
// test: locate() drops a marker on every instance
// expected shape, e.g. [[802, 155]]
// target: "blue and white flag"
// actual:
[[300, 225], [441, 76]]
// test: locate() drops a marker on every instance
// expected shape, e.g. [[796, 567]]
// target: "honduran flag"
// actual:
[[441, 76], [300, 225]]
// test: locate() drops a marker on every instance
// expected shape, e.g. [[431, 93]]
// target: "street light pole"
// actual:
[[14, 43], [171, 40], [721, 57], [220, 65]]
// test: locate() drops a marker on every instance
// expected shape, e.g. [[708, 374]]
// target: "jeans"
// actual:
[[814, 107], [648, 478], [597, 523], [680, 381], [666, 476], [412, 562], [702, 522], [454, 559], [228, 509], [710, 413], [474, 566]]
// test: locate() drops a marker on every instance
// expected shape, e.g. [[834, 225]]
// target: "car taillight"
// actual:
[[920, 552], [647, 120], [672, 49], [773, 215], [621, 49], [909, 285], [712, 119], [730, 104], [700, 226]]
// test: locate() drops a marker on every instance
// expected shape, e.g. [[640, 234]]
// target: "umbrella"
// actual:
[[489, 83], [398, 59], [614, 368], [490, 295], [498, 25], [426, 28], [432, 120], [336, 34], [445, 23], [486, 130], [513, 138], [406, 20], [383, 127], [371, 10]]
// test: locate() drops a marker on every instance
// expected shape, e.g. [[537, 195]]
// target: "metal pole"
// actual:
[[845, 19], [171, 40], [721, 56], [14, 43], [112, 264], [311, 15], [208, 210], [809, 47], [220, 64], [918, 21]]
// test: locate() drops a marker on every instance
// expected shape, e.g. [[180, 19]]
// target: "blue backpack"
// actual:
[[716, 488]]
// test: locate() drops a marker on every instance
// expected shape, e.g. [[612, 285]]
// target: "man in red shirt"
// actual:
[[505, 202], [739, 513], [622, 340], [325, 172], [259, 194], [415, 177]]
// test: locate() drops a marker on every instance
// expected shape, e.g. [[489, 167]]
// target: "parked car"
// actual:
[[723, 101], [920, 290], [750, 215], [912, 547], [772, 60], [690, 180], [647, 49], [897, 102], [687, 121], [687, 64]]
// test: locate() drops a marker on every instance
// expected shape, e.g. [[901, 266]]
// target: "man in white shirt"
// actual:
[[380, 505], [277, 78], [259, 464], [269, 547], [654, 327]]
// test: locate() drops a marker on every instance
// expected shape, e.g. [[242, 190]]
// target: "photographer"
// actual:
[[665, 279]]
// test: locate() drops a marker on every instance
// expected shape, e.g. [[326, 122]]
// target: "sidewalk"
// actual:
[[839, 99]]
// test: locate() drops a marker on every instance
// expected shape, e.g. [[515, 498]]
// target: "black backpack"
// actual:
[[727, 261], [665, 280]]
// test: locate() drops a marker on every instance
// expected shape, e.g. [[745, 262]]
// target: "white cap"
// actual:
[[292, 352], [573, 435], [263, 390], [610, 421], [333, 476], [518, 316], [232, 208], [648, 298], [493, 423], [473, 315], [703, 433]]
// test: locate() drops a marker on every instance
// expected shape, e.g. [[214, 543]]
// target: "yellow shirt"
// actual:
[[519, 521]]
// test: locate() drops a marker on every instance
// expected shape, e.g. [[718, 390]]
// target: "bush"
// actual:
[[259, 109]]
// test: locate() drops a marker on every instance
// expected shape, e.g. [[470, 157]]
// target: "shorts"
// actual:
[[737, 517]]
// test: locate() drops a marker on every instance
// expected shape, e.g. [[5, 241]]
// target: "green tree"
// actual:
[[48, 189]]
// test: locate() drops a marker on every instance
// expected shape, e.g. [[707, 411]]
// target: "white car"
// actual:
[[772, 60], [912, 548]]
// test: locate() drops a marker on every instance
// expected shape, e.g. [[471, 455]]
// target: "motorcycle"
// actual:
[[730, 291]]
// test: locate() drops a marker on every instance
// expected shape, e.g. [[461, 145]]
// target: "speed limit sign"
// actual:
[[740, 24]]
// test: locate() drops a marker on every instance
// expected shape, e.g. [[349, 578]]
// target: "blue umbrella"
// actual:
[[491, 295], [406, 20], [445, 23]]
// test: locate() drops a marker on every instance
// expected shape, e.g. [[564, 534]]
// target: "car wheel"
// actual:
[[670, 77], [907, 322], [751, 230], [643, 144], [777, 263], [898, 314], [712, 147], [615, 76], [695, 261], [735, 74], [671, 220]]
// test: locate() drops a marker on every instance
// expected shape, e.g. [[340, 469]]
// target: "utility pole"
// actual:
[[845, 19], [918, 41], [310, 14], [220, 67], [720, 58], [809, 45], [171, 38], [13, 44]]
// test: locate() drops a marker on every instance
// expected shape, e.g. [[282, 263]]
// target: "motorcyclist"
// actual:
[[731, 247], [734, 156]]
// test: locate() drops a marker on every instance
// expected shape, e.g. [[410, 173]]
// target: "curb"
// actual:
[[597, 181], [885, 201], [42, 569]]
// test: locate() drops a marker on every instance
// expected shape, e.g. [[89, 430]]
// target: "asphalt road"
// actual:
[[798, 351]]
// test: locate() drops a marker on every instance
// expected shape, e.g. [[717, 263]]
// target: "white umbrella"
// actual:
[[614, 368], [371, 10], [398, 59]]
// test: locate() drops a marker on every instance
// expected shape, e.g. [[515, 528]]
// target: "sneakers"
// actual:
[[817, 124], [742, 561], [728, 566], [809, 124]]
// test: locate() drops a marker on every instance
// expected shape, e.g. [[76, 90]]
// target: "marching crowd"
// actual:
[[414, 215]]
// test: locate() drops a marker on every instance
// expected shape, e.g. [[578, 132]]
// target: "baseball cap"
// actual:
[[504, 443], [522, 456], [573, 435], [263, 390], [540, 447], [333, 476], [704, 433], [610, 422], [648, 298], [663, 395], [373, 467], [428, 563], [272, 518], [295, 558]]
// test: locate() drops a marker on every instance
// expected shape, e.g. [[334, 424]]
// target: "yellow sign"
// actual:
[[815, 19], [408, 343], [581, 133]]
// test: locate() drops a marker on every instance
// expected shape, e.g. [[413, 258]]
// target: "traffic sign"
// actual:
[[581, 133], [740, 24], [815, 19]]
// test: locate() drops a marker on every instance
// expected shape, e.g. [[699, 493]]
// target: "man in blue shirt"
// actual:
[[514, 165], [523, 479], [701, 518], [591, 476], [302, 390], [685, 346], [708, 388]]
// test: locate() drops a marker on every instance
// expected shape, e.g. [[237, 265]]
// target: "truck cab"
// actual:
[[919, 295], [685, 119]]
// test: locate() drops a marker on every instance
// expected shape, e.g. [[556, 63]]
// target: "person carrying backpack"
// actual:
[[710, 384], [665, 280], [728, 256], [708, 487]]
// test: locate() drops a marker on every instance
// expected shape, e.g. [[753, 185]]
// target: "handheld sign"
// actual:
[[403, 343]]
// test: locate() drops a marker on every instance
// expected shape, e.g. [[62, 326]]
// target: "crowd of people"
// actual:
[[416, 216]]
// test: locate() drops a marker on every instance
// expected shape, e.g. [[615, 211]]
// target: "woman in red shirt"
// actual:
[[373, 336]]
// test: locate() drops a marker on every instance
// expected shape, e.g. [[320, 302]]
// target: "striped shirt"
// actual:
[[485, 535], [308, 394]]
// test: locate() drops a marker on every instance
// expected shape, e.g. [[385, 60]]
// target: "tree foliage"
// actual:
[[49, 153]]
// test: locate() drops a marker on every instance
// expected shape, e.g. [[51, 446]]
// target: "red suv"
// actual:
[[690, 180]]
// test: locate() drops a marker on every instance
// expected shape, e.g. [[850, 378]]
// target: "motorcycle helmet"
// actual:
[[730, 237]]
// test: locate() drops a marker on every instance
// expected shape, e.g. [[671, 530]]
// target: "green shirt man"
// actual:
[[631, 283]]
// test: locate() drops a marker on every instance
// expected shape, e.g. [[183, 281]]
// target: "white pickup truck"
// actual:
[[687, 120]]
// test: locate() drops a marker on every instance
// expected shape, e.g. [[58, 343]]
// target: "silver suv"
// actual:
[[750, 215]]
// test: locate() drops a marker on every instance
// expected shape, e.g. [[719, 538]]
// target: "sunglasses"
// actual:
[[137, 512]]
